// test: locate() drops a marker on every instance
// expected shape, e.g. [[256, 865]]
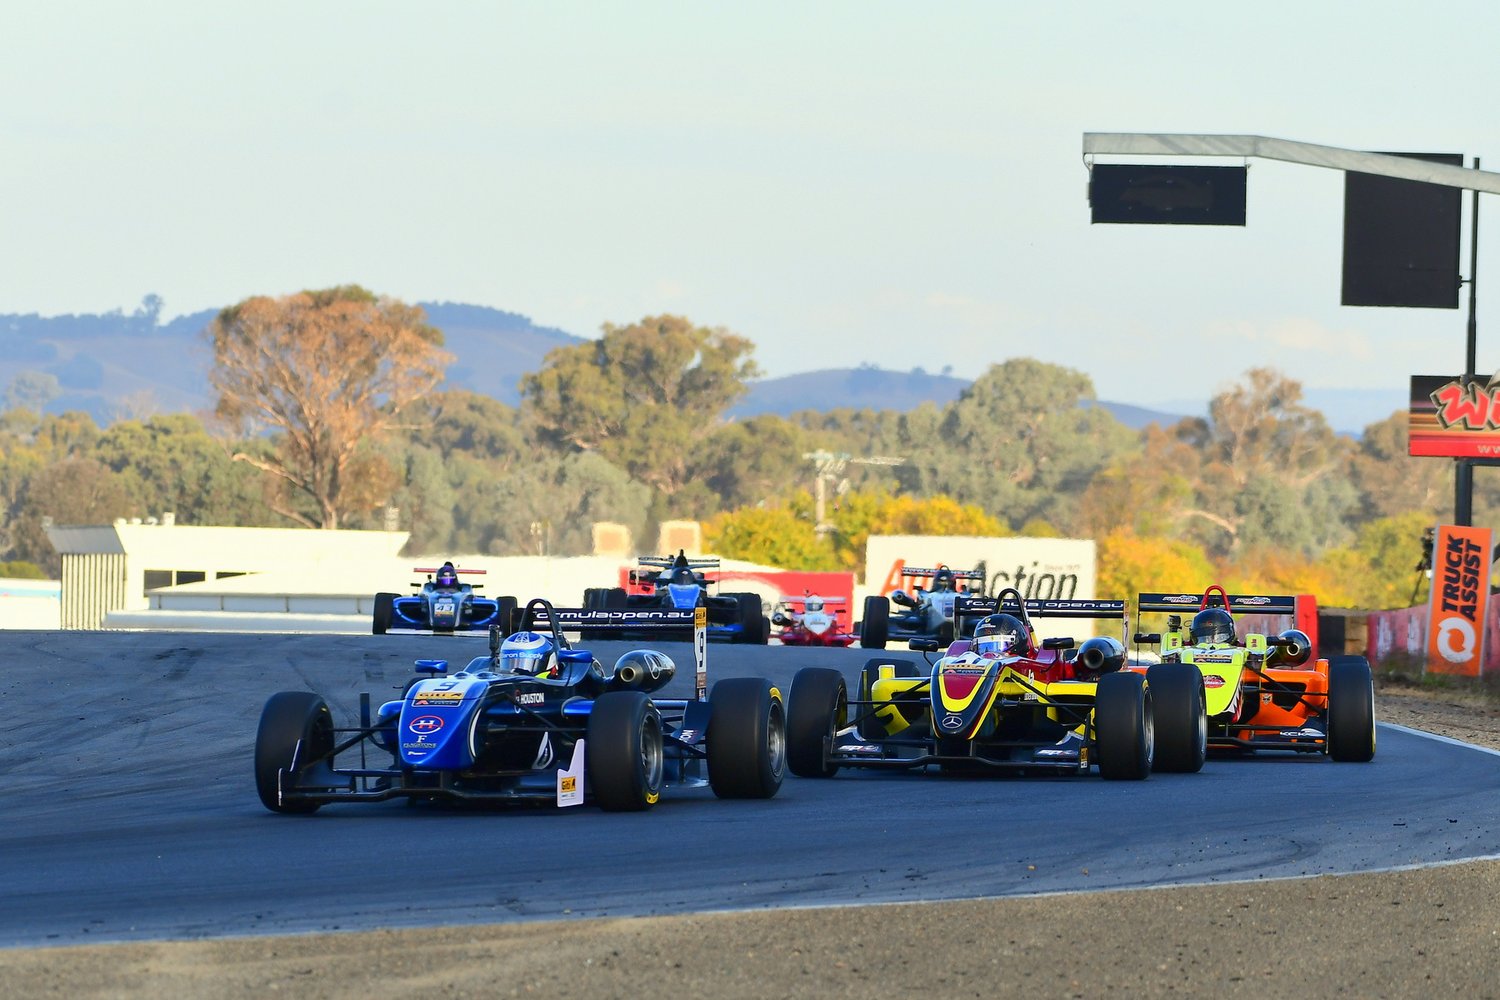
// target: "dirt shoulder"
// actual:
[[1397, 934]]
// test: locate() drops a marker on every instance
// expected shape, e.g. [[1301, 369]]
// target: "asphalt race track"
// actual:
[[129, 811]]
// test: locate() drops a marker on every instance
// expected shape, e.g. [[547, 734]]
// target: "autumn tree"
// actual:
[[1023, 441], [778, 535], [644, 396], [327, 372], [1273, 472]]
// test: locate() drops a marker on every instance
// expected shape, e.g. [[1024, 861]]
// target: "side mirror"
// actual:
[[923, 645], [1058, 643], [1151, 637], [780, 619]]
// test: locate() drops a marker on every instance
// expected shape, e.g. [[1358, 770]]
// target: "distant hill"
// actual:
[[114, 365], [878, 389]]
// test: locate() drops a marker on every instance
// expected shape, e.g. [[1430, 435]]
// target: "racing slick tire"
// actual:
[[875, 631], [1123, 726], [1180, 715], [289, 718], [385, 608], [1351, 709], [818, 707], [591, 598], [506, 609], [624, 759], [751, 618], [746, 738], [870, 728]]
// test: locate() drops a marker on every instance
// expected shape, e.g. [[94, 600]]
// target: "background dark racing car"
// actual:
[[442, 604], [680, 582]]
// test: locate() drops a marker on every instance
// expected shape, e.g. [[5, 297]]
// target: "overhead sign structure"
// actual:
[[1401, 239], [1164, 195], [1460, 594], [1449, 419]]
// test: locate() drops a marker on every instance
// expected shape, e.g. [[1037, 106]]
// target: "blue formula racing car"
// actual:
[[680, 582], [442, 604], [537, 721]]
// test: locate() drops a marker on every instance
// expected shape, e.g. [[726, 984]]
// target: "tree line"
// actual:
[[327, 416]]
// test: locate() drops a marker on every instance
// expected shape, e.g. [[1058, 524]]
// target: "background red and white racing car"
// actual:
[[811, 620]]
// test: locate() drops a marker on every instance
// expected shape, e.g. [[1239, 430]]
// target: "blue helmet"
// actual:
[[447, 576], [527, 653]]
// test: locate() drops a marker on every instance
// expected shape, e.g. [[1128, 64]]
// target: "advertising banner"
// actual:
[[1059, 569], [1460, 593], [1450, 420]]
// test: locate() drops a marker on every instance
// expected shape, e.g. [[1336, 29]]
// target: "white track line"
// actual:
[[1441, 739]]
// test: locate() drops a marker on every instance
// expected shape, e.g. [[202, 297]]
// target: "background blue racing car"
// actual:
[[534, 721], [442, 604]]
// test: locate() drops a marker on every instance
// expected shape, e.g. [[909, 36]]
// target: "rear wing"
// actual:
[[978, 607], [669, 623], [667, 562], [1036, 608], [827, 601], [1260, 604], [974, 575], [460, 572]]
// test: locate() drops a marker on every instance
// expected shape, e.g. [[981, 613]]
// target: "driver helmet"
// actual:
[[683, 575], [1001, 635], [942, 579], [1211, 625], [814, 603], [528, 653], [447, 576]]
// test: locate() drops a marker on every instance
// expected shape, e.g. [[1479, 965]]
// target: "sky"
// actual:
[[894, 184]]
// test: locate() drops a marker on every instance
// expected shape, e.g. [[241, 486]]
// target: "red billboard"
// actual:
[[1449, 419]]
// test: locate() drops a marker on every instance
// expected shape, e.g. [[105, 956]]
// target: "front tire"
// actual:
[[290, 718], [876, 630], [623, 762], [746, 739], [1179, 713], [818, 709], [1351, 710], [385, 608], [1123, 727]]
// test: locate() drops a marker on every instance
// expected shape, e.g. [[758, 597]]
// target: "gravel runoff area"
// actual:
[[1422, 933]]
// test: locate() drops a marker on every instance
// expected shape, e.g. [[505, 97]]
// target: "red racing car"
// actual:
[[811, 620]]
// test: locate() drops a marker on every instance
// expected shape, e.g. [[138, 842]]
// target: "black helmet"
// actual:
[[1211, 625], [942, 579], [1002, 635]]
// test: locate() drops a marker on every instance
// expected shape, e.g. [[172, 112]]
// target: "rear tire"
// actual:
[[945, 634], [751, 618], [623, 762], [385, 607], [290, 717], [591, 598], [506, 613], [817, 709], [746, 739], [1351, 710], [1123, 727], [1178, 710], [876, 630]]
